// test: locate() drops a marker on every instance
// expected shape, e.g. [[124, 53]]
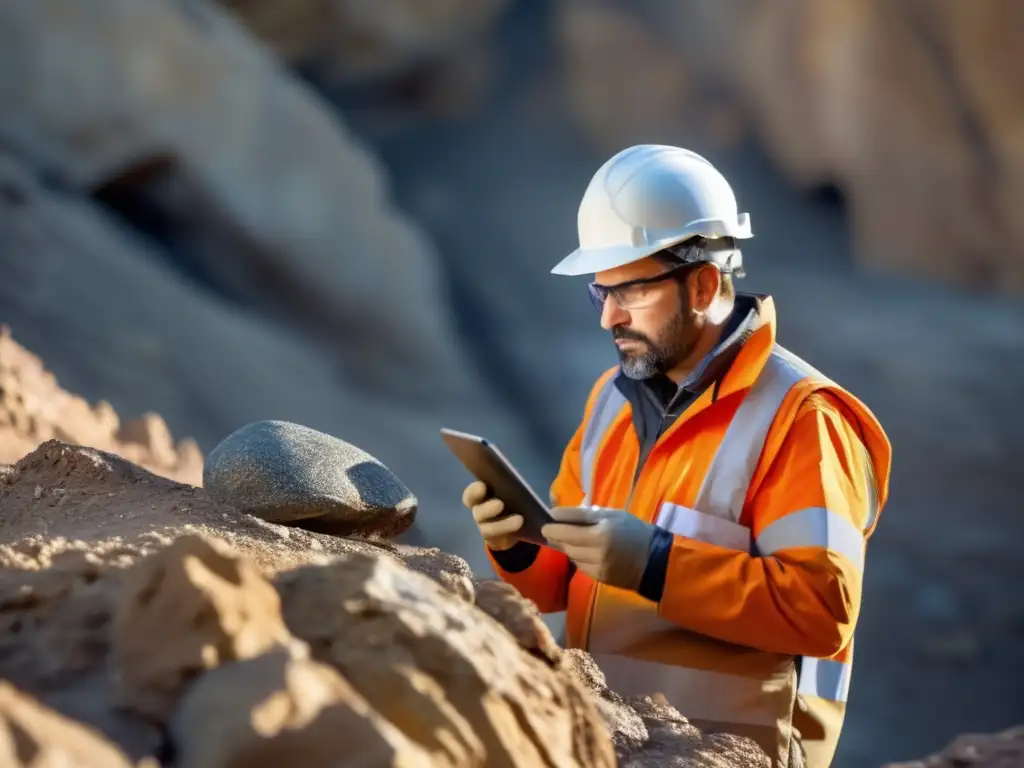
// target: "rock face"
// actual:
[[34, 409], [149, 145], [218, 609], [997, 750], [283, 709], [348, 40], [286, 473], [257, 184], [32, 735], [910, 109], [450, 678], [124, 322]]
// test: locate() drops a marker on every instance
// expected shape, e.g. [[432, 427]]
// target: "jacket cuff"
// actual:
[[516, 558], [652, 584]]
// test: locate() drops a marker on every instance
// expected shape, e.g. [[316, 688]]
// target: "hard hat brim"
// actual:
[[585, 261]]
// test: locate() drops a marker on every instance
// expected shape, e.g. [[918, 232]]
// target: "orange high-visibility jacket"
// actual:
[[770, 483]]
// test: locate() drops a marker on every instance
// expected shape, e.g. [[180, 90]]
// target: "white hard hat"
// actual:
[[648, 198]]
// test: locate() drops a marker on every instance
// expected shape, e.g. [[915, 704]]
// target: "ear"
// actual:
[[703, 287]]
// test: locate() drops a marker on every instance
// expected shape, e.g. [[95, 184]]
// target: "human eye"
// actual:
[[634, 295]]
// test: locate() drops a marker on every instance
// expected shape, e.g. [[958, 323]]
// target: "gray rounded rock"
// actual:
[[289, 474]]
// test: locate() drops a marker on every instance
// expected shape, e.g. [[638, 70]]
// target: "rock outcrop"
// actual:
[[996, 750], [173, 116], [34, 735], [912, 110], [351, 41], [150, 149], [75, 282], [34, 408], [141, 621]]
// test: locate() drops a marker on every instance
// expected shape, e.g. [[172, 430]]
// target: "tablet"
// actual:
[[485, 462]]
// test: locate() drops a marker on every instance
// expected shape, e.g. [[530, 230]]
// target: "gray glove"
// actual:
[[609, 545], [497, 534]]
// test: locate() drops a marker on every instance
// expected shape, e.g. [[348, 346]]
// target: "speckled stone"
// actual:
[[293, 475]]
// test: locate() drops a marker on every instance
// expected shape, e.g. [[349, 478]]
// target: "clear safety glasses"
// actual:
[[633, 294]]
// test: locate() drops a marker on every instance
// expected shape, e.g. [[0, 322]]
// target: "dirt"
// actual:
[[143, 623]]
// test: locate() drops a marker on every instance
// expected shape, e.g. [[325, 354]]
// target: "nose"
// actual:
[[612, 314]]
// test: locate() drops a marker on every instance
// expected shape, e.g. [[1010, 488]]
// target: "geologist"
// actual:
[[715, 502]]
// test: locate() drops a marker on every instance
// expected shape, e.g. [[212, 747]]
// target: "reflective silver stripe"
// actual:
[[692, 524], [607, 404], [725, 485], [814, 527], [824, 678]]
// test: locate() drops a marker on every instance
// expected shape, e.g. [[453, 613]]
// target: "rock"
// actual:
[[34, 736], [188, 129], [602, 90], [450, 571], [55, 616], [997, 750], [287, 473], [351, 41], [276, 710], [151, 432], [34, 408], [113, 509], [122, 324], [149, 608], [449, 677], [189, 608], [885, 101], [648, 732], [503, 603]]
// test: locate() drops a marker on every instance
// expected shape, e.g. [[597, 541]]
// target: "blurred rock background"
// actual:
[[342, 213]]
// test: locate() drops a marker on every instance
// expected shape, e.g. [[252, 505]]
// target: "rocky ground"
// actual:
[[360, 243], [143, 623]]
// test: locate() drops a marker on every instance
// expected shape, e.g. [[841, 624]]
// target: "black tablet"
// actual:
[[486, 463]]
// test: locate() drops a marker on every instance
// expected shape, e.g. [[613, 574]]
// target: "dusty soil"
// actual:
[[166, 624], [141, 622]]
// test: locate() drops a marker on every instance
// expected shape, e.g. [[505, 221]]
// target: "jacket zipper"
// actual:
[[641, 463]]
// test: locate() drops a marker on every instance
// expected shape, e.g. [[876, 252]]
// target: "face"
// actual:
[[656, 326]]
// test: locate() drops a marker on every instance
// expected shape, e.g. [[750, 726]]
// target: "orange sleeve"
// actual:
[[801, 594], [542, 574]]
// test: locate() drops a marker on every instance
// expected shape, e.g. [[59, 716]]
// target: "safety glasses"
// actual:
[[634, 294]]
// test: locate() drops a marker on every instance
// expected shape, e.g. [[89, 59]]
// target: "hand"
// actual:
[[497, 534], [609, 545]]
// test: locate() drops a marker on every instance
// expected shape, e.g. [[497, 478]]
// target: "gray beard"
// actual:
[[639, 366], [660, 358]]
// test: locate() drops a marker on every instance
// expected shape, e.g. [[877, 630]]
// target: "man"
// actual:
[[713, 507]]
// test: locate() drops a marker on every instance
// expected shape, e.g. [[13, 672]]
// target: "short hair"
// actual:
[[681, 253]]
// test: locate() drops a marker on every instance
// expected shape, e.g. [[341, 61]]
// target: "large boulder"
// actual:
[[286, 473]]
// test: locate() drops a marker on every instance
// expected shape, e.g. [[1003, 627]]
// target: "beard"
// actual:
[[663, 351]]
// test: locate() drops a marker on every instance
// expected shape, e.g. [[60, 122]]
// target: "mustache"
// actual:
[[625, 333]]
